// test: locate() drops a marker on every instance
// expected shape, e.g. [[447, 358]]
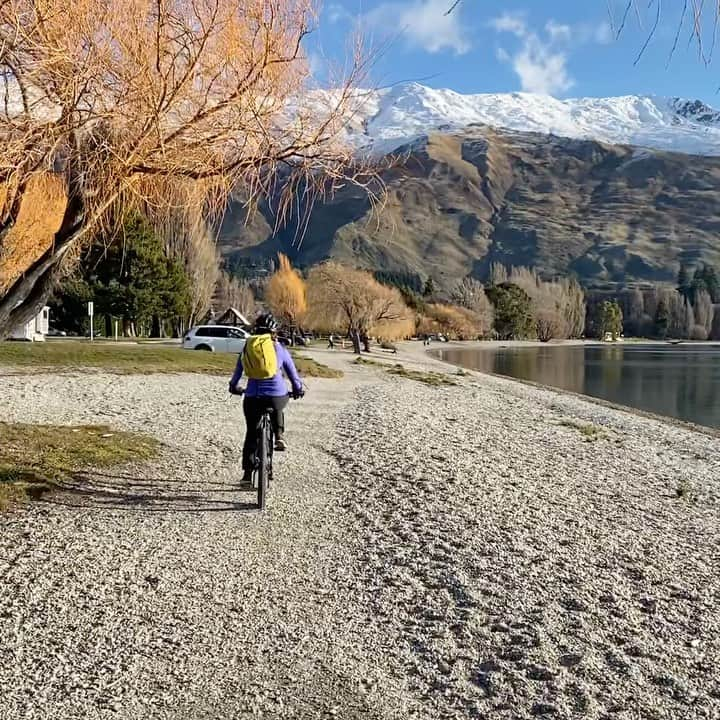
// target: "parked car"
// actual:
[[215, 338]]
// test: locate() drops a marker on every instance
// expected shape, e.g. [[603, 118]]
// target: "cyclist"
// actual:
[[266, 387]]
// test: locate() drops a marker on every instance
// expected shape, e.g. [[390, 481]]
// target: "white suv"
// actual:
[[216, 338]]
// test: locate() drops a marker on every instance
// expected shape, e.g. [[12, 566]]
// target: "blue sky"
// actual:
[[565, 48]]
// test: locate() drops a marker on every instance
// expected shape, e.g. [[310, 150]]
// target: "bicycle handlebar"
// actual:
[[291, 395]]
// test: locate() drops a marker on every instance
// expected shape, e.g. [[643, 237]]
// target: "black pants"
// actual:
[[253, 407]]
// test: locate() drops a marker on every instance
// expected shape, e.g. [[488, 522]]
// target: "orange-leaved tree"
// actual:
[[340, 296], [458, 323], [159, 106], [286, 293]]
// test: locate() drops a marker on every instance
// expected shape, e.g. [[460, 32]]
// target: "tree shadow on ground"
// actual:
[[141, 494]]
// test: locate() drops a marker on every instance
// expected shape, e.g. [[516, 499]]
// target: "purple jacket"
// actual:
[[274, 386]]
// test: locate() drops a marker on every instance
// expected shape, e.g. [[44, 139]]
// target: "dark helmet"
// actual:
[[265, 323]]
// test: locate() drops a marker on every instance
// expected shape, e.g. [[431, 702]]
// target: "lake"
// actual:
[[679, 381]]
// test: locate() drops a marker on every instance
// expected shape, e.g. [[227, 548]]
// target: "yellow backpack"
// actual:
[[259, 359]]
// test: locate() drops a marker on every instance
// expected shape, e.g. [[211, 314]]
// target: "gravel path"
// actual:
[[461, 552]]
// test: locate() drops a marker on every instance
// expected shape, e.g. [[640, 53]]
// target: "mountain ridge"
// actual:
[[390, 117]]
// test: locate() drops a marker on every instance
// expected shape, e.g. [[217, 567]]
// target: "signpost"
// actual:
[[91, 313]]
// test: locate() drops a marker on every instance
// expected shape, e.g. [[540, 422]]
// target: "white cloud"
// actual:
[[540, 69], [539, 64], [603, 34], [316, 63], [541, 60], [510, 22], [337, 13], [422, 23], [557, 31]]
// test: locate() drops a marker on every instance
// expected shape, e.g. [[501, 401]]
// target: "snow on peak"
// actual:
[[392, 116]]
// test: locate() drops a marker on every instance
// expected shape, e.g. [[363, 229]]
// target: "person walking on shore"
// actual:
[[331, 342]]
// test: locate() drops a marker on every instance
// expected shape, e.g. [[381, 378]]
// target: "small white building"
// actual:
[[34, 330]]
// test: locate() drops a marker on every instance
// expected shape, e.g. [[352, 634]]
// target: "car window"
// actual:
[[217, 332], [236, 333]]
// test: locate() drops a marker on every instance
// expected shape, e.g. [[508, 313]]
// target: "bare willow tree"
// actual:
[[457, 323], [340, 296], [470, 294], [195, 247], [704, 312], [158, 105], [558, 306], [498, 274], [233, 293]]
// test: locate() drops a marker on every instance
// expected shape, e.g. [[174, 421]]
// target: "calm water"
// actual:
[[679, 381]]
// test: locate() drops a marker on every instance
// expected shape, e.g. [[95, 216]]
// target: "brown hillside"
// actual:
[[610, 214]]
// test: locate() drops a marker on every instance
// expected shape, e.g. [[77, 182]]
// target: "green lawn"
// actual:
[[127, 359], [33, 458]]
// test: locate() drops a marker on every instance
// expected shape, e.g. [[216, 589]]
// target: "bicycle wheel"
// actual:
[[263, 456]]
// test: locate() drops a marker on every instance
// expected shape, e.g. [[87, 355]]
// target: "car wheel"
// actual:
[[207, 348]]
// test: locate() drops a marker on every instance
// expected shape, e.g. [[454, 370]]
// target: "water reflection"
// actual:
[[677, 381]]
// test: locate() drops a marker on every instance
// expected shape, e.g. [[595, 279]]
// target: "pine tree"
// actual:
[[662, 319], [513, 311], [698, 283], [683, 280], [712, 283], [611, 319], [134, 281]]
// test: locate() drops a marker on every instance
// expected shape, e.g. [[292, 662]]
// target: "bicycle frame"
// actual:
[[262, 474]]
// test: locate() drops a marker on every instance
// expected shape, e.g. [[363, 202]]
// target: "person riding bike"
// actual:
[[264, 359]]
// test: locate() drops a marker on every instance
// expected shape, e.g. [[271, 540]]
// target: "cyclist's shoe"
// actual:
[[246, 478], [280, 443]]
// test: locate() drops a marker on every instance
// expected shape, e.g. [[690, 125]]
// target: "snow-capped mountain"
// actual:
[[388, 118]]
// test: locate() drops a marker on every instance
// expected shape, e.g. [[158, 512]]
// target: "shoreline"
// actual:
[[411, 351]]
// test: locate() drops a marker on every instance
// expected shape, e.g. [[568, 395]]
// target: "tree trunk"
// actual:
[[26, 297], [355, 338]]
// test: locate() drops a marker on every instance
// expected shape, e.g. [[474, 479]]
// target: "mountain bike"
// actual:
[[262, 473], [262, 464]]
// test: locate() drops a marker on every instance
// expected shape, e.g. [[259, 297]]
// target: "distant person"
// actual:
[[264, 360], [331, 342], [365, 340]]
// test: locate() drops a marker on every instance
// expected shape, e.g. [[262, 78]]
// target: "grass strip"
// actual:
[[35, 458], [130, 359], [428, 378]]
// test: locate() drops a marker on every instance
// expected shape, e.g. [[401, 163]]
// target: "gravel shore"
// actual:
[[483, 550]]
